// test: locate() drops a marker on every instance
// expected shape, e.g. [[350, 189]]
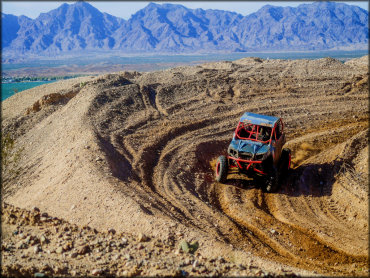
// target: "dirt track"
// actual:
[[135, 152]]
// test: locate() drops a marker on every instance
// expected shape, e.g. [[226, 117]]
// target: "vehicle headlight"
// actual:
[[232, 152], [259, 156]]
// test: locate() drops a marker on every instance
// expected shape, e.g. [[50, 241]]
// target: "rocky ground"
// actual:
[[134, 153], [35, 243]]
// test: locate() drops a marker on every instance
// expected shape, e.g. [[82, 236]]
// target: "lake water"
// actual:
[[9, 89], [160, 62]]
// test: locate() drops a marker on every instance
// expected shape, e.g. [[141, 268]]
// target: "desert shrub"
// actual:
[[10, 155]]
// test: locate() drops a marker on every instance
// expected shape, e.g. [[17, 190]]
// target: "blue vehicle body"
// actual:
[[244, 146], [258, 119], [255, 148]]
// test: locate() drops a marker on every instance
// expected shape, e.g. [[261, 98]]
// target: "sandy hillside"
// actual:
[[135, 152]]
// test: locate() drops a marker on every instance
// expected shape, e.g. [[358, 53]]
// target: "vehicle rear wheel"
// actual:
[[285, 162], [222, 168]]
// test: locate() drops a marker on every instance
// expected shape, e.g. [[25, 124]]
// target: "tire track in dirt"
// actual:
[[165, 164], [160, 133]]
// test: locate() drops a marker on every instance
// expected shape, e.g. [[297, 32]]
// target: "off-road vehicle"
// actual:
[[256, 150]]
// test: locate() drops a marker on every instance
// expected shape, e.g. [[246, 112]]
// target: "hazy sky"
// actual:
[[125, 9]]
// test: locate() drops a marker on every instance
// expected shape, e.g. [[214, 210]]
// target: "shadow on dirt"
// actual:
[[314, 180], [243, 183], [119, 166]]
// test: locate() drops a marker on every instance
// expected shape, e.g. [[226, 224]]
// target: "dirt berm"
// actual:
[[135, 152]]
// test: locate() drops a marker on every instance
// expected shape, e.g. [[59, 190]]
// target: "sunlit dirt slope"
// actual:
[[135, 152]]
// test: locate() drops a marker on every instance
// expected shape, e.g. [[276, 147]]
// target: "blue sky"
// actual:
[[125, 9]]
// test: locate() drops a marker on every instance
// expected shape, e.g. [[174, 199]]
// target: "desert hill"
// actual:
[[135, 152]]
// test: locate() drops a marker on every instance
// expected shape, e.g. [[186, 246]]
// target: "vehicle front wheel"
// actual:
[[221, 169], [272, 183]]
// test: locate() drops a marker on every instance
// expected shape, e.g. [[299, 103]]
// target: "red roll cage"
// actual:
[[252, 132]]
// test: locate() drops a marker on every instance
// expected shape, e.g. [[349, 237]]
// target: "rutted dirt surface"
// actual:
[[134, 152]]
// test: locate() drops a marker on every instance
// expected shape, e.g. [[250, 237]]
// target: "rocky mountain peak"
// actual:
[[175, 28]]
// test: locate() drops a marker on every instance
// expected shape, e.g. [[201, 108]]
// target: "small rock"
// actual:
[[124, 241], [258, 272], [59, 250], [202, 269], [20, 245], [22, 236], [67, 246], [83, 249], [43, 239], [46, 268], [44, 214], [195, 264], [61, 270], [36, 209], [39, 275], [36, 249], [96, 271], [73, 255], [273, 231], [112, 244], [142, 238], [241, 267], [111, 231]]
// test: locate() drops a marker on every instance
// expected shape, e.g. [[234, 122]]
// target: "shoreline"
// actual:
[[154, 54]]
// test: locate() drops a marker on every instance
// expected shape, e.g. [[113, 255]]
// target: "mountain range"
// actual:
[[172, 28]]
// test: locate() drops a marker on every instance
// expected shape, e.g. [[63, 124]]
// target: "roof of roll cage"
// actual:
[[257, 119]]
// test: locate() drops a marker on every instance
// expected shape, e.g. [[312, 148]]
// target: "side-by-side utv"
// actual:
[[256, 150]]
